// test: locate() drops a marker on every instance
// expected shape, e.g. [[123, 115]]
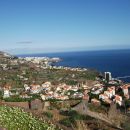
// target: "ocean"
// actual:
[[115, 61]]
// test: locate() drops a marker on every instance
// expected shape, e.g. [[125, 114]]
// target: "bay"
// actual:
[[115, 61]]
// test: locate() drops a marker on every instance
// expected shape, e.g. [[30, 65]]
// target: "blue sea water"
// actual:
[[115, 61]]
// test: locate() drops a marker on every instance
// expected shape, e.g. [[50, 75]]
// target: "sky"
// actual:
[[40, 26]]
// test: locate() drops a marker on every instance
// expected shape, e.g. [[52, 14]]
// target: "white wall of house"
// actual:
[[6, 94]]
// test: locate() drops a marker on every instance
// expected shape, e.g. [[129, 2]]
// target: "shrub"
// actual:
[[14, 118], [74, 115], [48, 114], [66, 122], [16, 99]]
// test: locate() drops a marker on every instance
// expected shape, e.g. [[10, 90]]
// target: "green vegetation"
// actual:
[[67, 104], [16, 98], [126, 125], [127, 103], [91, 95], [48, 114], [99, 109], [72, 116], [66, 122], [1, 95], [14, 73], [71, 82], [16, 119]]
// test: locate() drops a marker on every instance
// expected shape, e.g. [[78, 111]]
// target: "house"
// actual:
[[77, 95], [49, 96], [26, 87], [98, 85], [86, 92], [46, 84], [128, 110], [103, 96], [126, 90], [67, 87], [35, 88], [86, 97], [85, 87], [107, 100], [63, 97], [118, 99], [97, 91], [58, 88], [24, 95], [95, 101], [112, 90], [6, 91], [75, 88], [108, 93]]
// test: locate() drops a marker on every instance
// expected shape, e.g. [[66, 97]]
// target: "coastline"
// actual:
[[115, 61]]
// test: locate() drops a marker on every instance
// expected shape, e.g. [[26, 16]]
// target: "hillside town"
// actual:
[[63, 91], [36, 84], [106, 89]]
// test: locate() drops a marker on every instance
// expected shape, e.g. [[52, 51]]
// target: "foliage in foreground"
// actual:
[[72, 117], [48, 114], [14, 118]]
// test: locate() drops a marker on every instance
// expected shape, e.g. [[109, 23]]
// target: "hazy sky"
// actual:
[[31, 26]]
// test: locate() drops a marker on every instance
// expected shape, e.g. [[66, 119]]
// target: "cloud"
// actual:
[[24, 42]]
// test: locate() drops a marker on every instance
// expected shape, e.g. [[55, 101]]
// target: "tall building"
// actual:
[[108, 76], [129, 92]]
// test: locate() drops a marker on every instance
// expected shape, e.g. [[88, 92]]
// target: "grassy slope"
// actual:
[[16, 119]]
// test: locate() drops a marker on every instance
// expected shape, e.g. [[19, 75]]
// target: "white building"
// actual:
[[103, 96], [118, 99], [43, 97], [26, 87], [6, 93], [108, 94], [108, 76], [98, 91], [35, 88], [46, 84]]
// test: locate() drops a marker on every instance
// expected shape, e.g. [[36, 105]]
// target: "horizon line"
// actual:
[[96, 50]]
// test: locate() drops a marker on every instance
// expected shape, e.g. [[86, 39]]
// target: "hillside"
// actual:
[[17, 72], [5, 55], [16, 119]]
